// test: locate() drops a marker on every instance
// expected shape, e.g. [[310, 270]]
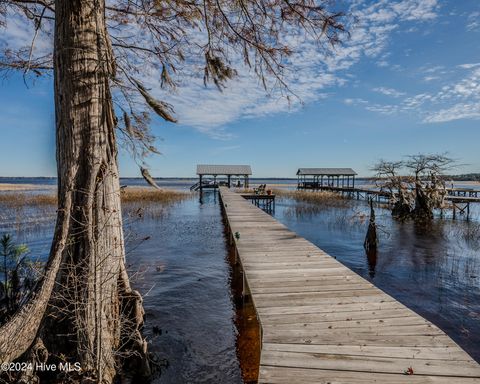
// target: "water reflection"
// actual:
[[249, 338], [208, 195], [372, 262]]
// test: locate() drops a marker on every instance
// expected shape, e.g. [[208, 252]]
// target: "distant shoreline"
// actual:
[[469, 177], [15, 187]]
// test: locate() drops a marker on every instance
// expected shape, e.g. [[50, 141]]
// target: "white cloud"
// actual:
[[356, 101], [19, 33], [469, 65], [473, 22], [434, 69], [383, 63], [457, 112], [309, 73], [416, 10], [389, 91], [383, 109], [457, 100]]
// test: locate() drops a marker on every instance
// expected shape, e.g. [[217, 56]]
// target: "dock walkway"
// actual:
[[322, 323]]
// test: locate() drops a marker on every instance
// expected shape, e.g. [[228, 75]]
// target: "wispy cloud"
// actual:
[[431, 78], [19, 33], [309, 75], [356, 101], [459, 99], [389, 91], [469, 65], [473, 22], [457, 112]]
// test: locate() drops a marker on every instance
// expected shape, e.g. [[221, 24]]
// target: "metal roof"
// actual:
[[326, 171], [205, 169]]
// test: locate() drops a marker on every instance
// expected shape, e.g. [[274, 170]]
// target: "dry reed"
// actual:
[[149, 195], [129, 195], [313, 197], [19, 199]]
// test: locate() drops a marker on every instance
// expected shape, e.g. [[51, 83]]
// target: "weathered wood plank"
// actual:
[[337, 316], [369, 363], [435, 353], [289, 375], [345, 324]]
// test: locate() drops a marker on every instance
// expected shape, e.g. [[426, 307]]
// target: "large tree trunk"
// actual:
[[423, 202], [92, 315], [401, 207]]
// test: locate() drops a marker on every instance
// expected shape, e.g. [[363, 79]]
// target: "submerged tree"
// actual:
[[389, 180], [84, 308], [420, 189]]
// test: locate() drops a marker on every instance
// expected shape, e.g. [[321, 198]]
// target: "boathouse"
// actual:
[[227, 171], [324, 178]]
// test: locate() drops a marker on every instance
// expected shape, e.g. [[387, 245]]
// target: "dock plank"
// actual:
[[323, 323]]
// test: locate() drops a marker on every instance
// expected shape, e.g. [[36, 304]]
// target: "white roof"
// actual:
[[208, 169], [326, 171]]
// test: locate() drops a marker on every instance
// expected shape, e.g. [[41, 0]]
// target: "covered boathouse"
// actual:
[[205, 170], [326, 178]]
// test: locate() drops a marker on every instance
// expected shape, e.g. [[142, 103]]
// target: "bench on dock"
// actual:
[[322, 323]]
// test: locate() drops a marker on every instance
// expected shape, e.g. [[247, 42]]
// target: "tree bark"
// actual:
[[401, 207], [423, 202], [93, 316]]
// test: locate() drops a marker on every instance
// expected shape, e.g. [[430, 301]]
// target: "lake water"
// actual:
[[183, 271], [434, 269]]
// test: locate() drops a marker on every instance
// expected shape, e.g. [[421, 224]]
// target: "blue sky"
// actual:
[[407, 81]]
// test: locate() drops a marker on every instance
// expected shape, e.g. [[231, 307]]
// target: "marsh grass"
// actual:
[[22, 199], [323, 198], [129, 195], [26, 211], [138, 203], [337, 211], [150, 195]]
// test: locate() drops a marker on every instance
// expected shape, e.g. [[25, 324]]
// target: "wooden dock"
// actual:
[[263, 201], [322, 323], [459, 199]]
